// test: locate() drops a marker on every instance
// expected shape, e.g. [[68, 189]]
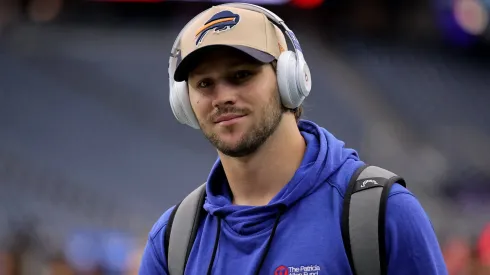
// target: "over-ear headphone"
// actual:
[[293, 74]]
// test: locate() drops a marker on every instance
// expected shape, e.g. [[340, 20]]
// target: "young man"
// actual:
[[274, 196]]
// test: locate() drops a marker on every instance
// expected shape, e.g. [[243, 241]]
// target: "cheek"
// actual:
[[198, 105], [266, 94]]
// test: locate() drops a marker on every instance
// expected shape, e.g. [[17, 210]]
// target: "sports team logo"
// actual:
[[281, 270], [222, 21]]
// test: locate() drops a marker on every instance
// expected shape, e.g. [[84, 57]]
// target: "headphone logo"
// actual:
[[220, 22]]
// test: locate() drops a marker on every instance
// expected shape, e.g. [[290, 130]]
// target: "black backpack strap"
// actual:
[[182, 228], [363, 219]]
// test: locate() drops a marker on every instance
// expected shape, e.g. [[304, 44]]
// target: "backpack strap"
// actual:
[[363, 219], [182, 228]]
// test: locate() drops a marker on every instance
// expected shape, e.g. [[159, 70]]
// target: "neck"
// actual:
[[255, 179]]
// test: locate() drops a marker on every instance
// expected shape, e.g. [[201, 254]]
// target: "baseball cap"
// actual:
[[247, 31]]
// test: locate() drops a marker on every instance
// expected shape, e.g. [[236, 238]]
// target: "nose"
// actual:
[[224, 94]]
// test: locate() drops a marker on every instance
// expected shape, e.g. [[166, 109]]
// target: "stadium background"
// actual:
[[91, 155]]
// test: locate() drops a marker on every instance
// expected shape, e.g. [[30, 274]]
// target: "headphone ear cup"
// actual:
[[287, 80], [181, 105], [303, 79]]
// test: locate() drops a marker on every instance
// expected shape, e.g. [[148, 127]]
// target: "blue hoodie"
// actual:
[[302, 222]]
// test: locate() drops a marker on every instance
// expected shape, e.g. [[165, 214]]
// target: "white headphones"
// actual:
[[293, 74]]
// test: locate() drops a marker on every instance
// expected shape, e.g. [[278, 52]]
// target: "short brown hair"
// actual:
[[298, 112]]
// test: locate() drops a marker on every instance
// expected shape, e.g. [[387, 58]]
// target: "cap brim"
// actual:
[[192, 60]]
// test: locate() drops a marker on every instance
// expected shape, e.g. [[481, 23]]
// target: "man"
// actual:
[[274, 196]]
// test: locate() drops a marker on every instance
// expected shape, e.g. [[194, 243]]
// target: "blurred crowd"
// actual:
[[23, 253], [12, 11], [22, 256], [465, 256]]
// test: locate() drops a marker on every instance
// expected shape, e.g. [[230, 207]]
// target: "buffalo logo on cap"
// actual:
[[222, 21]]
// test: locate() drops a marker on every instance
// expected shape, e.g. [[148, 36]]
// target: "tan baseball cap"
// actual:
[[247, 31]]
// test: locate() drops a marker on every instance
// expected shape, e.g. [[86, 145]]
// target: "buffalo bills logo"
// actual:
[[222, 21]]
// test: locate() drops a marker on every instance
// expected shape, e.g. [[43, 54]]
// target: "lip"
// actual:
[[228, 119]]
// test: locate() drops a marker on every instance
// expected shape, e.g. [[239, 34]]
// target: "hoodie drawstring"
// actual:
[[215, 248], [282, 209]]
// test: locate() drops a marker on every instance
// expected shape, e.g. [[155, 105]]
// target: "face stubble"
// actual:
[[270, 116]]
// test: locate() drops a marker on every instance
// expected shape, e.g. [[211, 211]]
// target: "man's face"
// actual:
[[235, 100]]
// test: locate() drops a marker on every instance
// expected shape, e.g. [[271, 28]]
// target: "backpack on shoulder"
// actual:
[[364, 240]]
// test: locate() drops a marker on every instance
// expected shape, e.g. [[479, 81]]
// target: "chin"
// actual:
[[231, 140], [236, 150], [235, 131], [228, 142]]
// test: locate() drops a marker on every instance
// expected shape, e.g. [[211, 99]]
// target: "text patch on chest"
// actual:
[[298, 270]]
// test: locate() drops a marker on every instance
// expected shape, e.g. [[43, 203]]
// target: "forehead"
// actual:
[[222, 59]]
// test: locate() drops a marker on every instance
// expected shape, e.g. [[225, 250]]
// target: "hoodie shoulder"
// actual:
[[340, 179], [153, 261], [412, 246], [159, 226], [411, 242]]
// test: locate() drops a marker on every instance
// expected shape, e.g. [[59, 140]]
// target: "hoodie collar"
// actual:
[[324, 156]]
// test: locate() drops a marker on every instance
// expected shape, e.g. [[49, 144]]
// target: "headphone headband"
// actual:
[[276, 20]]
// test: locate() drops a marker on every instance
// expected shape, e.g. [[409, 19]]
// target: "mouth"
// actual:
[[228, 119]]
